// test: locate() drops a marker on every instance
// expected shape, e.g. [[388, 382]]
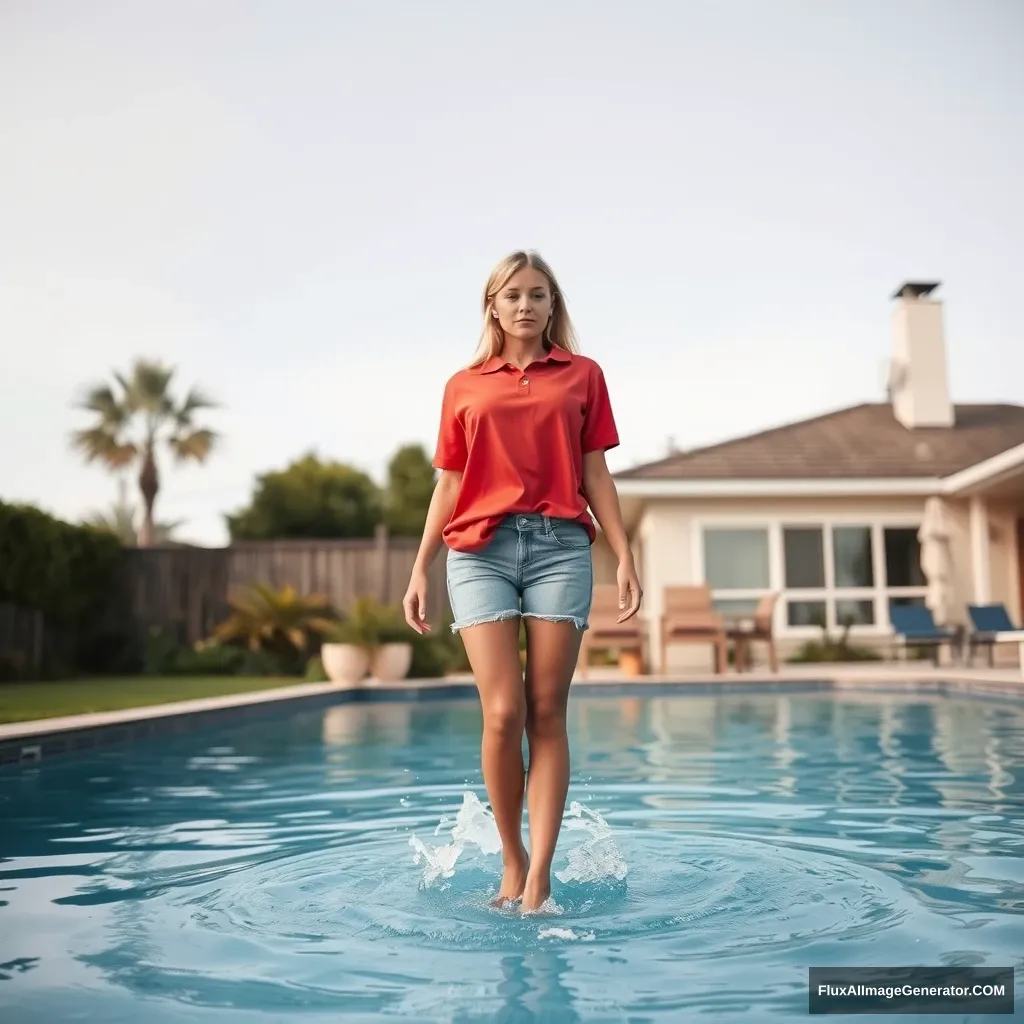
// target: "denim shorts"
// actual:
[[533, 565]]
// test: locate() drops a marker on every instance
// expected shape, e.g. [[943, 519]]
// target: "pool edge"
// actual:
[[30, 742]]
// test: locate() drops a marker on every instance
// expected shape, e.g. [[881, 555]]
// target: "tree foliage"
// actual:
[[310, 499], [410, 485]]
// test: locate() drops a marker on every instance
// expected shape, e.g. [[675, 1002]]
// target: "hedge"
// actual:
[[66, 572]]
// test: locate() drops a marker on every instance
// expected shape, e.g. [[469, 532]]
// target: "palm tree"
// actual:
[[131, 423]]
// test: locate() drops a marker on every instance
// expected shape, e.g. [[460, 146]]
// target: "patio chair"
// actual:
[[604, 631], [990, 625], [690, 617], [914, 626], [744, 631]]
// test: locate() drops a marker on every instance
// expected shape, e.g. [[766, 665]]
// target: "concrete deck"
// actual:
[[869, 676]]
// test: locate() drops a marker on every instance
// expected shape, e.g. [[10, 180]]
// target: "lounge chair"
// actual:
[[744, 631], [914, 626], [990, 625], [690, 617], [604, 631]]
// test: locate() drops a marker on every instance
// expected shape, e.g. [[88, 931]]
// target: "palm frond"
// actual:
[[100, 399], [194, 401], [264, 617], [196, 445], [148, 388], [100, 444]]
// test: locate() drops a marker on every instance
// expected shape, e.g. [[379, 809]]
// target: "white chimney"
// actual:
[[918, 377]]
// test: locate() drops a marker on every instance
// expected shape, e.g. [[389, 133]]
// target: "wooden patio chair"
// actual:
[[604, 631], [690, 617], [745, 631]]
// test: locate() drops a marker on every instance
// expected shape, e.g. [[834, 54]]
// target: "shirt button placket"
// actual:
[[524, 385]]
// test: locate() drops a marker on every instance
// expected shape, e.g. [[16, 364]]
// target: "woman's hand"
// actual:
[[415, 602], [630, 593]]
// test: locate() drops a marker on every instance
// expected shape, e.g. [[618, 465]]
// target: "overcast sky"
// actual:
[[297, 204]]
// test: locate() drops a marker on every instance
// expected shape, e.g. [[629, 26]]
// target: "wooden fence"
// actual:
[[23, 637], [185, 590]]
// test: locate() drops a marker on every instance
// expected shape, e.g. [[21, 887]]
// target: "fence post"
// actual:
[[380, 535]]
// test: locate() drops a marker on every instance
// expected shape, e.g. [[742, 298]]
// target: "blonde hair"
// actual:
[[559, 331]]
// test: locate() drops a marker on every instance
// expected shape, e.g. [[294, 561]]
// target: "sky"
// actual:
[[297, 206]]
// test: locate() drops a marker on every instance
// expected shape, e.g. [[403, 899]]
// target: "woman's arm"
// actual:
[[603, 499], [442, 504]]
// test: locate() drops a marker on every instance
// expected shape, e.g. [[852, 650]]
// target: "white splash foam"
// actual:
[[565, 933], [592, 860], [474, 826], [596, 857]]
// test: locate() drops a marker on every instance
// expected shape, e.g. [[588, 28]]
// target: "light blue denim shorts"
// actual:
[[533, 565]]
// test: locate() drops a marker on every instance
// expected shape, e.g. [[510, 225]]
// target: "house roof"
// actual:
[[861, 442]]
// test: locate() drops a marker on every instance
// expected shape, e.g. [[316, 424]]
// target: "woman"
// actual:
[[521, 450]]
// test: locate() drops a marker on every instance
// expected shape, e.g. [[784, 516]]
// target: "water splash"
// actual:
[[474, 826], [565, 933], [595, 859]]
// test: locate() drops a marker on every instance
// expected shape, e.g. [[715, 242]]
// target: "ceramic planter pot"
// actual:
[[391, 662], [345, 663]]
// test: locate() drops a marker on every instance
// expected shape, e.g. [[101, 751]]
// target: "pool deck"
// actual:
[[26, 742]]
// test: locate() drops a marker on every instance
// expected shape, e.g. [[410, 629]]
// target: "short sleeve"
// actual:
[[599, 431], [451, 450]]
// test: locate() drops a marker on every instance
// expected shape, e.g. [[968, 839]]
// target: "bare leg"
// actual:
[[552, 650], [493, 651]]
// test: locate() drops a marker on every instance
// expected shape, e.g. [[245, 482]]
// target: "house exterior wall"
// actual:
[[1004, 571], [668, 548], [673, 529]]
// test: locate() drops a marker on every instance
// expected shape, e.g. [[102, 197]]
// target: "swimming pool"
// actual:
[[337, 864]]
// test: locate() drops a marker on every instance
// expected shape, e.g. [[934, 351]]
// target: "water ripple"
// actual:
[[340, 866]]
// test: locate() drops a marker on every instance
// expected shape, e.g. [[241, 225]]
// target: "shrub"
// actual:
[[315, 670], [66, 572], [369, 625], [830, 649], [281, 624], [209, 659], [431, 657], [264, 663]]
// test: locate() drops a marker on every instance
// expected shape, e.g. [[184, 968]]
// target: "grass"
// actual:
[[26, 702]]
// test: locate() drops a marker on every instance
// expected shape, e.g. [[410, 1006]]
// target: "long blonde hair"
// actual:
[[559, 331]]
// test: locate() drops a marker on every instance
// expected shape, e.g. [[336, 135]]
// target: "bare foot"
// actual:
[[536, 893], [513, 880]]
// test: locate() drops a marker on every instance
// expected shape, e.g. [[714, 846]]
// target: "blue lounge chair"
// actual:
[[990, 625], [914, 626]]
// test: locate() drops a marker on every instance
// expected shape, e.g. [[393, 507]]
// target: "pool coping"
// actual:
[[33, 741]]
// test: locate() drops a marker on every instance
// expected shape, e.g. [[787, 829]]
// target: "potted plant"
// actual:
[[372, 638]]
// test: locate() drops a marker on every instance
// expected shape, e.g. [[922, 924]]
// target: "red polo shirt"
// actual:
[[519, 437]]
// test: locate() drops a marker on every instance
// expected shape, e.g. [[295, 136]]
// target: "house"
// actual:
[[827, 511]]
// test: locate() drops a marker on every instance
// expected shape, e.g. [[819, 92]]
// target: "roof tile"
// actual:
[[863, 441]]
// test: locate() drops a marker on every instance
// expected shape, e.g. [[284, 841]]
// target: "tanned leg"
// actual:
[[552, 651], [493, 651]]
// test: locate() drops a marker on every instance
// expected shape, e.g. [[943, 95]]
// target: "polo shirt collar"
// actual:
[[554, 355]]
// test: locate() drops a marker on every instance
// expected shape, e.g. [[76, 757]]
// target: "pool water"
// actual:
[[337, 865]]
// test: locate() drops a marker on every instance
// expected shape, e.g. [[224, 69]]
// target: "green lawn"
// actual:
[[25, 702]]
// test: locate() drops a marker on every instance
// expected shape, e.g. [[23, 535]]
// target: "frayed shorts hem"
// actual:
[[514, 613]]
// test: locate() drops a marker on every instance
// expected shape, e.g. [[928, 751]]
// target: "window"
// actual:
[[851, 551], [736, 567], [736, 559], [831, 575], [805, 557]]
